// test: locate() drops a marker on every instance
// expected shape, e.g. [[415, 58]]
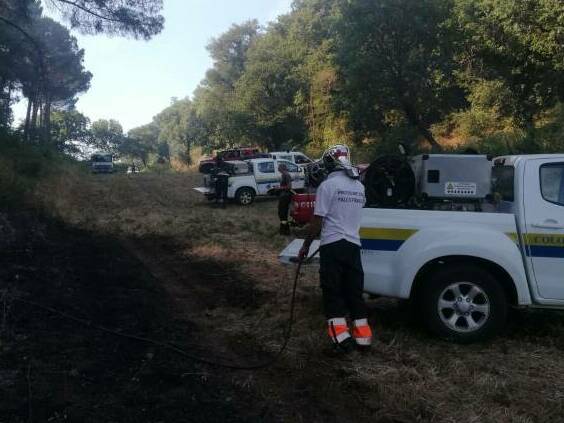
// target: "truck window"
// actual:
[[285, 157], [102, 158], [503, 182], [552, 182], [302, 159], [266, 167], [292, 168]]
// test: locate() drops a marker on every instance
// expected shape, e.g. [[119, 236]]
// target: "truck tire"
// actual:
[[463, 304], [245, 196]]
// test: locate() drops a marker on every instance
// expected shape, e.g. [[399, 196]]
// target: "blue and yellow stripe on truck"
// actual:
[[545, 245], [391, 239], [384, 239], [542, 245]]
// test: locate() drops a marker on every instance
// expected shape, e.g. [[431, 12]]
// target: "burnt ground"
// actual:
[[171, 268], [54, 369]]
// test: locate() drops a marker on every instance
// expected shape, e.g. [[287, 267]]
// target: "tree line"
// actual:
[[435, 74], [41, 62]]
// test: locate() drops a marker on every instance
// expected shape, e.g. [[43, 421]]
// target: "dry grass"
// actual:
[[408, 377]]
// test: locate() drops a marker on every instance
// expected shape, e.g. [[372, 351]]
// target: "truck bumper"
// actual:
[[290, 254], [207, 192]]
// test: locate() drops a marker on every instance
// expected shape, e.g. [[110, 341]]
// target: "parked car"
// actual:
[[292, 156], [463, 270], [207, 163], [102, 163], [255, 177]]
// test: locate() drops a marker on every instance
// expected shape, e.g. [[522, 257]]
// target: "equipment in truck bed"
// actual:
[[428, 181], [453, 176]]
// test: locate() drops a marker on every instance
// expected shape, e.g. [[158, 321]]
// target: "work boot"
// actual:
[[362, 334], [284, 228], [339, 333]]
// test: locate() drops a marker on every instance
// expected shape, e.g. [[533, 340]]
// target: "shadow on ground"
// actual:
[[52, 369]]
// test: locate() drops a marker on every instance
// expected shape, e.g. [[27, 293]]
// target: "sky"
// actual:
[[134, 80]]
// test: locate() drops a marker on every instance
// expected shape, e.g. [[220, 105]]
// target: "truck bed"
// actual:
[[396, 244]]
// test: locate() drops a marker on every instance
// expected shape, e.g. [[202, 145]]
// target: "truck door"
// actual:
[[543, 202], [266, 176]]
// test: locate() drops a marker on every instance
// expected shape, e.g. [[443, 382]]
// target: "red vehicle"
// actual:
[[302, 208], [243, 153], [303, 205]]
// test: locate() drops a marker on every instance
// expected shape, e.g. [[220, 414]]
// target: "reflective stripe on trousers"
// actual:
[[338, 330], [362, 333]]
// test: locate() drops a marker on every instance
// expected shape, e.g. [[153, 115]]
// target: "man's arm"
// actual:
[[313, 231], [323, 200]]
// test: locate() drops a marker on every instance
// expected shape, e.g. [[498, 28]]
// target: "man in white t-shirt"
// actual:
[[338, 205]]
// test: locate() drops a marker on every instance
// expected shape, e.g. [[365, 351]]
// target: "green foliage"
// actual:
[[216, 119], [517, 42], [106, 136], [69, 129], [443, 74], [23, 166], [549, 132], [41, 60], [169, 137], [140, 19], [396, 55], [271, 87], [173, 130], [65, 75], [140, 143], [229, 54]]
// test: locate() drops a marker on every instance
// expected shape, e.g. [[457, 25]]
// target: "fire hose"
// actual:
[[182, 352]]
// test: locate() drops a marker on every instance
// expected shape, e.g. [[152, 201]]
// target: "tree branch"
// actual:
[[23, 31], [89, 11], [36, 45]]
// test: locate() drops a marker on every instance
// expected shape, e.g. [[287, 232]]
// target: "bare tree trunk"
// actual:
[[41, 117], [28, 117], [8, 110], [33, 126], [4, 105], [47, 119], [413, 119]]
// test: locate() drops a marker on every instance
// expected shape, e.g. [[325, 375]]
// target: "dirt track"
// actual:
[[147, 257]]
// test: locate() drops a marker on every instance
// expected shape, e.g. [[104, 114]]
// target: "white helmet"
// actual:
[[338, 158]]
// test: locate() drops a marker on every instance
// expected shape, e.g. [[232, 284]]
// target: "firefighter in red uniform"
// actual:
[[339, 202]]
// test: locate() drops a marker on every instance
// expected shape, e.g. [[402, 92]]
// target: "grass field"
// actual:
[[219, 268]]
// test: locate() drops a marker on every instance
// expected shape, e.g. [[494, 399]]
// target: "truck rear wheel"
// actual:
[[245, 196], [464, 304]]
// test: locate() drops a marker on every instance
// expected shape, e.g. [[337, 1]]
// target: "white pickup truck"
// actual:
[[463, 270], [254, 177]]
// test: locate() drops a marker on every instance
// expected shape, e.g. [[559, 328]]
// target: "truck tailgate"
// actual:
[[290, 254]]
